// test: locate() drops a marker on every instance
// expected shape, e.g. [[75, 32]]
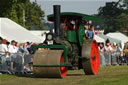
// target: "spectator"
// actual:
[[25, 53], [118, 53], [13, 50], [29, 46], [17, 46], [102, 57], [3, 54], [113, 47], [12, 47], [125, 52], [3, 48], [90, 33], [118, 49], [21, 57], [107, 47], [107, 50], [100, 46], [114, 56]]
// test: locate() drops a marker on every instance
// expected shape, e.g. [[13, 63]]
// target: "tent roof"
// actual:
[[99, 39], [111, 39], [119, 36], [12, 31]]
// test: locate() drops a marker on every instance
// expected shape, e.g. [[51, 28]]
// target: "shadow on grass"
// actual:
[[26, 75], [37, 76], [75, 74]]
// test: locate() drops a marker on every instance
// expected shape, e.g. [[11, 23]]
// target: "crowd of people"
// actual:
[[15, 57], [113, 54]]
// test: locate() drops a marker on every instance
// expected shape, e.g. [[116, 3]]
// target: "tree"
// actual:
[[33, 15], [108, 13], [22, 12], [8, 9], [122, 21]]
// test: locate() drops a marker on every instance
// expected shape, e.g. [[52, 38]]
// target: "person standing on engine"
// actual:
[[90, 32]]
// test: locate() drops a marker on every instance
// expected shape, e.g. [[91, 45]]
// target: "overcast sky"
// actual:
[[82, 6]]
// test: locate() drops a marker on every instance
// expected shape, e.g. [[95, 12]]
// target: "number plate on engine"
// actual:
[[50, 42]]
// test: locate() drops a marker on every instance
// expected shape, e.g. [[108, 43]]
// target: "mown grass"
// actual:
[[116, 75], [111, 75], [5, 77]]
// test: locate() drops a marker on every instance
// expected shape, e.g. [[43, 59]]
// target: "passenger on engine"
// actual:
[[90, 32], [72, 25]]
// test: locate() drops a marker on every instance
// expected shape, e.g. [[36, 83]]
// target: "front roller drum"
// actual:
[[49, 58], [91, 61]]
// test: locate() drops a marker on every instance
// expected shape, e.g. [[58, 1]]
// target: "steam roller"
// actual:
[[66, 47], [52, 58]]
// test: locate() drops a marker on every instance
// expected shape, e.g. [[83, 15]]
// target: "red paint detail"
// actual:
[[66, 28], [64, 24], [95, 62], [63, 68]]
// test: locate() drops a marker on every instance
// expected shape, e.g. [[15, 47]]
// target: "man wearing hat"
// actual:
[[13, 50]]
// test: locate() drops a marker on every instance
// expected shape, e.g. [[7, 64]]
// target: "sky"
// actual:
[[89, 7]]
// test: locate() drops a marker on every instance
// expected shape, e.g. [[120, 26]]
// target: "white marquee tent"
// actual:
[[99, 39], [119, 36], [12, 31]]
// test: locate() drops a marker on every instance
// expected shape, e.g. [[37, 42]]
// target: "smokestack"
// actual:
[[57, 20]]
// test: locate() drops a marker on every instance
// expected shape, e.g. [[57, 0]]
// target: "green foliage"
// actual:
[[109, 13], [122, 21], [8, 10], [114, 15], [22, 12], [6, 77], [33, 15]]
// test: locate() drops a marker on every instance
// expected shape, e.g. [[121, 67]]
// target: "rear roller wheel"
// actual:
[[92, 60], [49, 57]]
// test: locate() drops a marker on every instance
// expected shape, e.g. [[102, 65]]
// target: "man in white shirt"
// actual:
[[4, 54], [13, 50]]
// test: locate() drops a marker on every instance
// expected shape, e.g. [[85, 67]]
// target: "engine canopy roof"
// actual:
[[74, 16]]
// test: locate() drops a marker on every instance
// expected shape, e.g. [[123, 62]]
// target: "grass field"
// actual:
[[116, 75]]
